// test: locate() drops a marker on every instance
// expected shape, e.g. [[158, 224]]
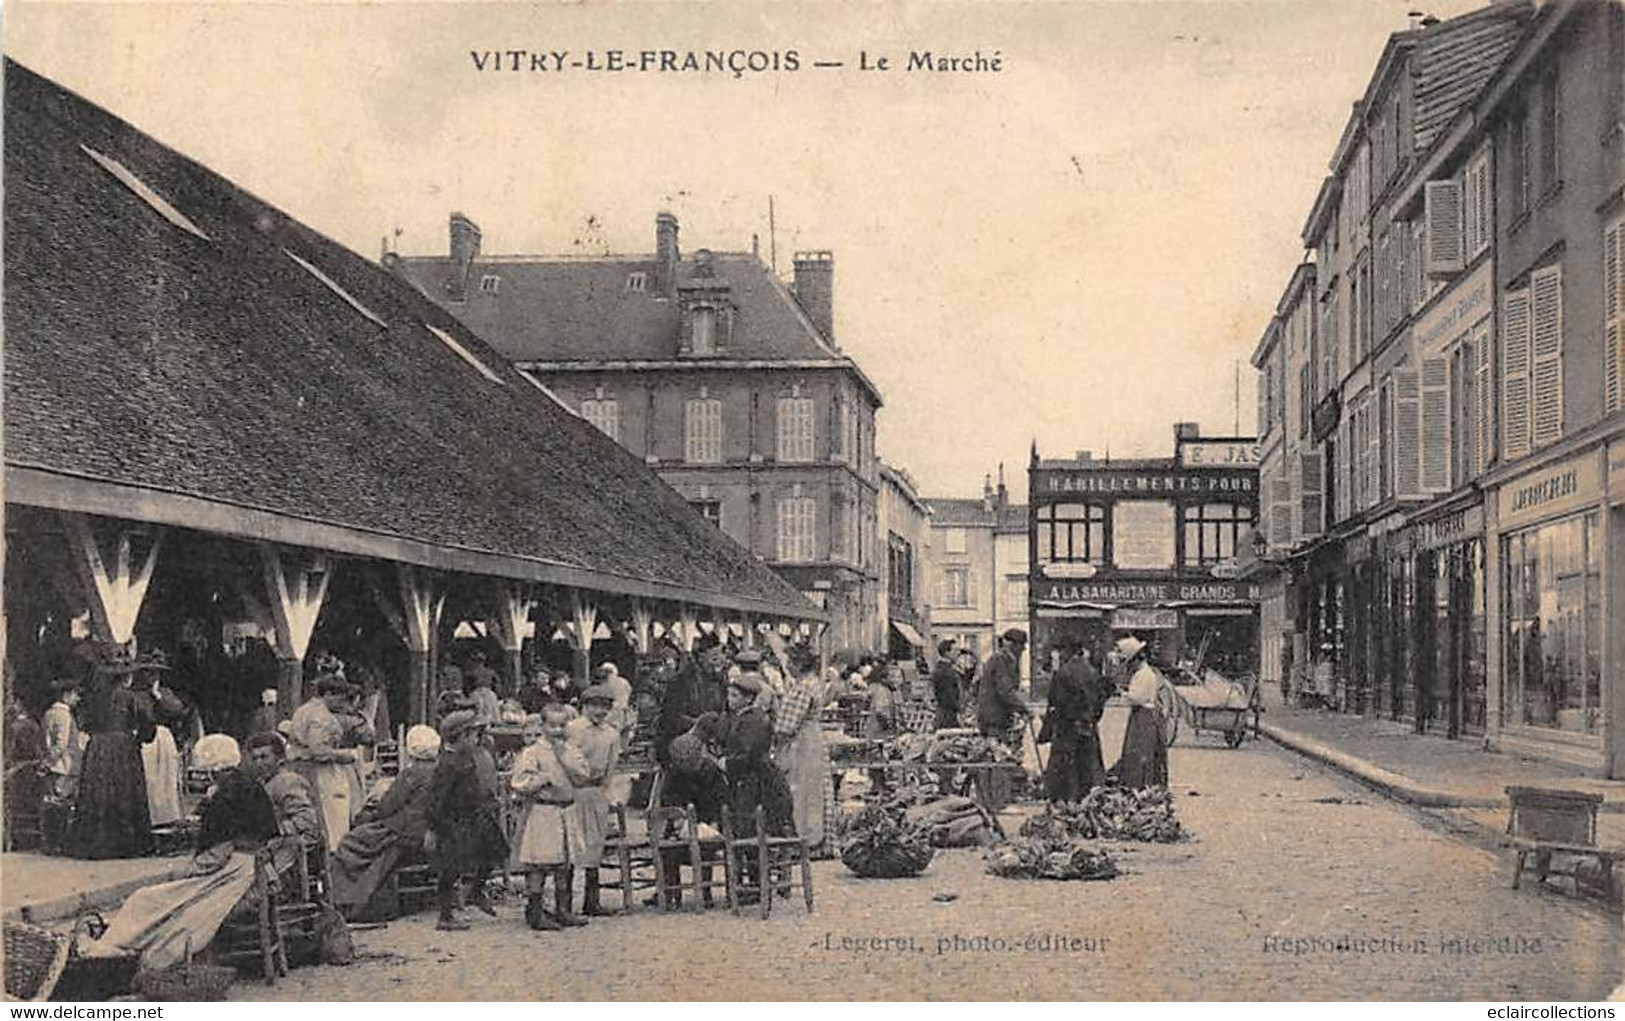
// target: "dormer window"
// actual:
[[489, 283], [637, 282], [705, 331]]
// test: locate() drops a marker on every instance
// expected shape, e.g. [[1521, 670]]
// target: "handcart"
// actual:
[[1217, 706]]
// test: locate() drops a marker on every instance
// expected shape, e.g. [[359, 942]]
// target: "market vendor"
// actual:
[[316, 749], [387, 830], [1144, 761], [162, 923], [698, 688], [1077, 698], [111, 818], [945, 681], [999, 706]]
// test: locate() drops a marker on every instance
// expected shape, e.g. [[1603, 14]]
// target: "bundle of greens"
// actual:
[[968, 748], [1049, 858], [877, 844], [1111, 813]]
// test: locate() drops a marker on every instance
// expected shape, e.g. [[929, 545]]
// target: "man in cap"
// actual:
[[698, 688], [753, 778], [999, 705], [600, 744]]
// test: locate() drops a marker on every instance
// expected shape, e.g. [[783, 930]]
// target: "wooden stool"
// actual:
[[1546, 822]]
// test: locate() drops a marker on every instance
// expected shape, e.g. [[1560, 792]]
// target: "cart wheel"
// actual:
[[1171, 707], [1233, 737]]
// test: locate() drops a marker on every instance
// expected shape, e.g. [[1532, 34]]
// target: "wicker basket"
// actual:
[[917, 717], [35, 958], [188, 981]]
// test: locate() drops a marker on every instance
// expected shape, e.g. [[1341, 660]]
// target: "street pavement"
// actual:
[[1295, 884]]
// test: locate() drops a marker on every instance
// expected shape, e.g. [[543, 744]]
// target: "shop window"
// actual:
[[1553, 637], [1212, 532], [1072, 533]]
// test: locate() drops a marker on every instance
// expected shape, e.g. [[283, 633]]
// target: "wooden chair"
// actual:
[[413, 882], [256, 936], [386, 755], [671, 832], [1545, 822], [774, 858]]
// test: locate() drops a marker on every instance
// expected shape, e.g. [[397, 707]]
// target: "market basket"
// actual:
[[35, 958], [187, 981], [917, 717]]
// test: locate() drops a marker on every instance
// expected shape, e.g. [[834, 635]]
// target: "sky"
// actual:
[[1077, 249]]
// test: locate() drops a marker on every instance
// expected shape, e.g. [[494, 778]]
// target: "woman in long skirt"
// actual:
[[1144, 762], [111, 818], [160, 756], [801, 752]]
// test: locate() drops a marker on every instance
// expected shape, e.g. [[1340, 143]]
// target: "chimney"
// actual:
[[1086, 456], [1187, 431], [465, 248], [667, 255], [1004, 493], [815, 290]]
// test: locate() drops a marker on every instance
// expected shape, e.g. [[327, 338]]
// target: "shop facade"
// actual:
[[1554, 645], [1151, 547]]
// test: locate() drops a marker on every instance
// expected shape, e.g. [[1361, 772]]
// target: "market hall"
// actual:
[[222, 426]]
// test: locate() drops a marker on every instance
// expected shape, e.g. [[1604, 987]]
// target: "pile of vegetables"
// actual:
[[968, 748], [1049, 858], [952, 822], [1112, 813], [880, 844]]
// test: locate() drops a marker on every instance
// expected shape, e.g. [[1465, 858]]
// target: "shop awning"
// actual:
[[909, 635]]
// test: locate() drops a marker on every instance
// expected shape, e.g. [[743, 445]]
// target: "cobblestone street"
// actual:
[[1280, 852]]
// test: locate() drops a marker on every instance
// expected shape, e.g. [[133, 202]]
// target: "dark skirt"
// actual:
[[1075, 767], [1145, 758], [363, 860], [110, 818]]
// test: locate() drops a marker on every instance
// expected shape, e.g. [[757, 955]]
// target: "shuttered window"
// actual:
[[1383, 487], [1310, 513], [1484, 412], [1281, 512], [1478, 223], [1613, 306], [1436, 434], [1407, 433], [798, 522], [1444, 234], [1546, 354], [702, 431], [1515, 375], [795, 429]]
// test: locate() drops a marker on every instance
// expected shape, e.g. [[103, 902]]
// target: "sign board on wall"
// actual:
[[1556, 489], [1116, 592], [1221, 454], [1135, 618], [1456, 311]]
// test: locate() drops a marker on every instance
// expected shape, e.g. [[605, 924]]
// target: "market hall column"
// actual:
[[113, 572], [297, 582], [514, 601], [583, 622]]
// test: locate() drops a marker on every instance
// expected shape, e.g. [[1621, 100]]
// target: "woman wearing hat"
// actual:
[[386, 830], [111, 818], [315, 738], [160, 756], [1144, 762]]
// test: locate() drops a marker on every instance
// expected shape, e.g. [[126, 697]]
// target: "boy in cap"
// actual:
[[545, 774], [464, 817], [599, 741]]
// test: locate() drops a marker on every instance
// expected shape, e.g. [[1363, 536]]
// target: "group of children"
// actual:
[[561, 778]]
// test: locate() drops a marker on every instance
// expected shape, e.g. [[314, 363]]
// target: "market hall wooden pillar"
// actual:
[[750, 631], [512, 604], [688, 623], [297, 583], [112, 571], [583, 622], [423, 597], [641, 630]]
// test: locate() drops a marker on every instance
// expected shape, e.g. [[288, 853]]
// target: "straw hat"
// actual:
[[1128, 647]]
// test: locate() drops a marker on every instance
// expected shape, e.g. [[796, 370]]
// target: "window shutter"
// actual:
[[1310, 506], [1435, 465], [1484, 395], [1407, 434], [1444, 241], [1613, 303], [1546, 354], [1281, 510], [1515, 375]]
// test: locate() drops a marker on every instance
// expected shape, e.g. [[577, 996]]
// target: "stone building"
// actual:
[[707, 367]]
